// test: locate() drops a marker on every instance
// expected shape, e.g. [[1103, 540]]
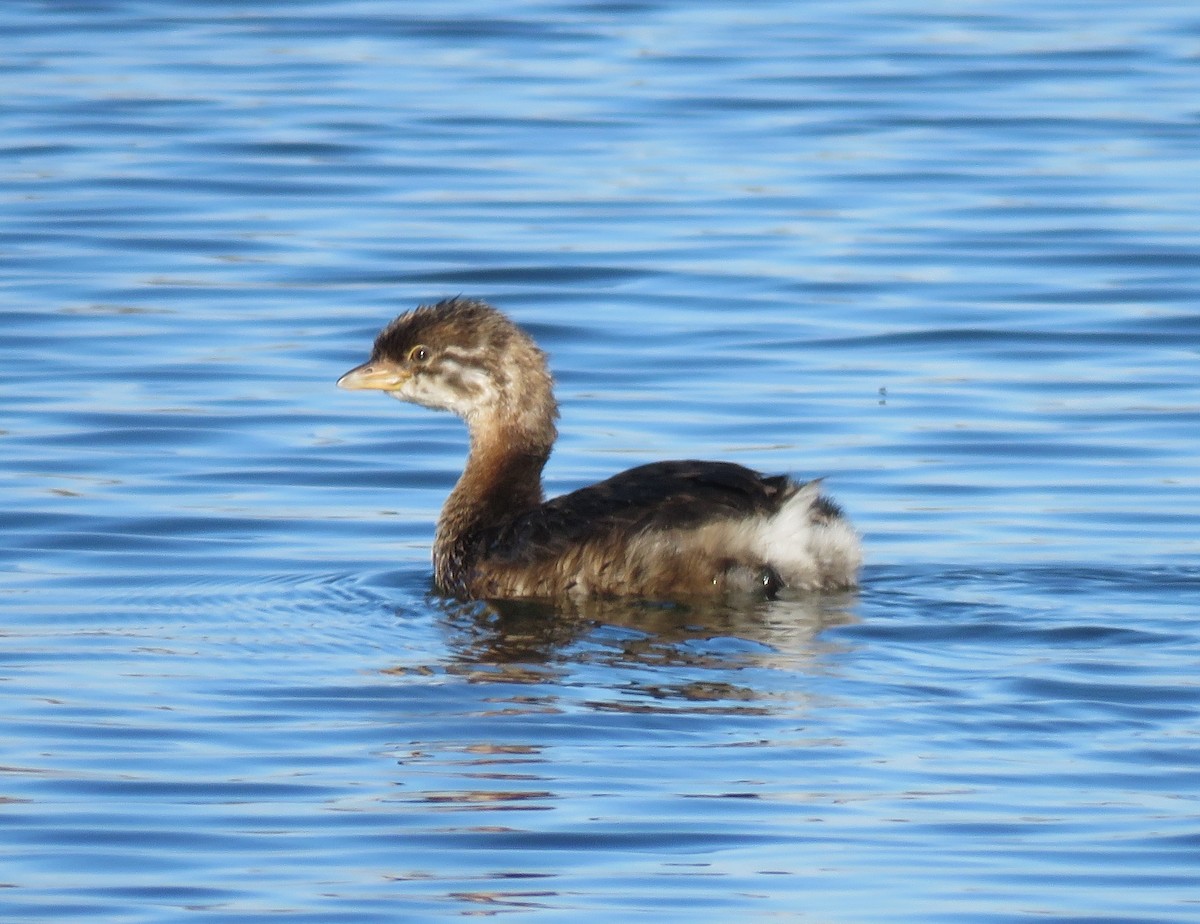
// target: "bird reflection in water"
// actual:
[[527, 642]]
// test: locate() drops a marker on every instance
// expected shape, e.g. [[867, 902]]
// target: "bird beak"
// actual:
[[374, 374]]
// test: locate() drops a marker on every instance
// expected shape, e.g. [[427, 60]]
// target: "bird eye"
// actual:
[[418, 354]]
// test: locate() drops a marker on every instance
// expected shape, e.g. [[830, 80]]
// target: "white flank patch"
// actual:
[[807, 554]]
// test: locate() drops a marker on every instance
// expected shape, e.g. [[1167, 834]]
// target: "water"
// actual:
[[946, 257]]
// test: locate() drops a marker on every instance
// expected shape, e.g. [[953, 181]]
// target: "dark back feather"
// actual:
[[660, 496]]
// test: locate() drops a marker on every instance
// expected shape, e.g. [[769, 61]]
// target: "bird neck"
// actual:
[[502, 478]]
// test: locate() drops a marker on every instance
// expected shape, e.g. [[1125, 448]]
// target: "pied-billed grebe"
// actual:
[[664, 530]]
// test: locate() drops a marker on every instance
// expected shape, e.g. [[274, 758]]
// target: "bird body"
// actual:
[[664, 530]]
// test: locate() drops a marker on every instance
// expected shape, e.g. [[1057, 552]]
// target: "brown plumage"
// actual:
[[664, 530]]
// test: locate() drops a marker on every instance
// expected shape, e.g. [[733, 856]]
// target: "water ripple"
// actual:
[[944, 258]]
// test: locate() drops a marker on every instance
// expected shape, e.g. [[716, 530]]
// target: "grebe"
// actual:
[[664, 530]]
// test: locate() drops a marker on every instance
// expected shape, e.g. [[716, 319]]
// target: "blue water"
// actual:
[[947, 256]]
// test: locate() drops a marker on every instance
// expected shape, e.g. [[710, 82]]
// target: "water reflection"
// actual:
[[538, 642]]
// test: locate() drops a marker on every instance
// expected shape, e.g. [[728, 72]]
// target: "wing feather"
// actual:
[[659, 496]]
